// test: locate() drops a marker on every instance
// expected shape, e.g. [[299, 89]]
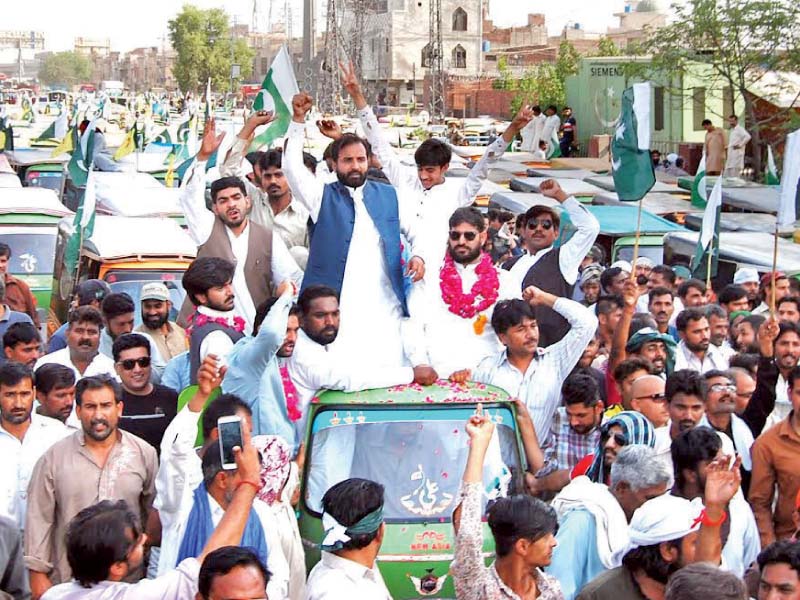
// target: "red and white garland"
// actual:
[[481, 296]]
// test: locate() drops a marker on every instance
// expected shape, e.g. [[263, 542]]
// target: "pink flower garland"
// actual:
[[199, 319], [290, 391], [481, 296]]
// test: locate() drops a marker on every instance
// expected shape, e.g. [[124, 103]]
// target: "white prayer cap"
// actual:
[[624, 265], [672, 157], [745, 275], [643, 261], [664, 519]]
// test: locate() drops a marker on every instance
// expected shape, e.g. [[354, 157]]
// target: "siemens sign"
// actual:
[[606, 72]]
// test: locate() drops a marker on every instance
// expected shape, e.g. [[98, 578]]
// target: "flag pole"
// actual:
[[709, 260], [636, 241], [774, 269]]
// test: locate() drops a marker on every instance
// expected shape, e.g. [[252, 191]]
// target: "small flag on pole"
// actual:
[[128, 146], [553, 146], [699, 190], [631, 165], [66, 144], [708, 243], [771, 176], [787, 208], [276, 94]]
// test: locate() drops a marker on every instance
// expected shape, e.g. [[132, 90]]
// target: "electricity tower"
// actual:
[[359, 8], [329, 90], [436, 70]]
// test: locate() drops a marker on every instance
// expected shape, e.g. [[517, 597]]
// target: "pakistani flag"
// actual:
[[699, 189], [771, 176], [708, 244], [276, 95], [82, 154], [553, 146], [66, 143], [631, 165], [83, 223], [787, 208], [164, 138]]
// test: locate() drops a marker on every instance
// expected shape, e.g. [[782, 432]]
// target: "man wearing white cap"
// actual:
[[168, 336], [748, 279], [666, 534]]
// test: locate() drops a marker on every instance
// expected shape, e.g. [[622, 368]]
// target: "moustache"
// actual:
[[96, 422]]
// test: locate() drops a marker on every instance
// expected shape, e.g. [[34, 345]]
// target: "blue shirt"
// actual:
[[575, 560], [58, 341], [10, 317], [254, 374], [176, 373]]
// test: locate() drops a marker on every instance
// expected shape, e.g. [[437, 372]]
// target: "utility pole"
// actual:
[[326, 99], [309, 33], [436, 71], [357, 35]]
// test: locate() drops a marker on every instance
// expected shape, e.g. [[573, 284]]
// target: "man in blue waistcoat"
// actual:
[[356, 248]]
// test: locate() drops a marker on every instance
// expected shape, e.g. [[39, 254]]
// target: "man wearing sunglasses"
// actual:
[[553, 270], [149, 407]]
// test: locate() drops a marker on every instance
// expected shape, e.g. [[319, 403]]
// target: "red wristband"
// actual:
[[256, 487], [704, 520]]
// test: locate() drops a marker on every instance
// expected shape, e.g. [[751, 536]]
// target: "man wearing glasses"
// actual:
[[553, 270], [149, 407]]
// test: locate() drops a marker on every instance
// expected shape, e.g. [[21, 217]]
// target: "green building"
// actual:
[[678, 106]]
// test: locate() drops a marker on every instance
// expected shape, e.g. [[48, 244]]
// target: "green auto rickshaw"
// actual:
[[39, 168], [411, 439]]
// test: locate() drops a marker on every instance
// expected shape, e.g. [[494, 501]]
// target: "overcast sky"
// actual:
[[144, 22]]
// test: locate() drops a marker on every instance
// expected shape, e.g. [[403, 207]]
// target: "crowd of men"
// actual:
[[660, 418]]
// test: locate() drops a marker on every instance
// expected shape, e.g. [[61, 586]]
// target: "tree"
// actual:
[[65, 68], [606, 47], [740, 41], [205, 48]]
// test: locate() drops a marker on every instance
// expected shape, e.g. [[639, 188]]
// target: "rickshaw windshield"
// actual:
[[31, 253], [418, 455]]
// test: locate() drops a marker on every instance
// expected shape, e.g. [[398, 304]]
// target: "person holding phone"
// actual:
[[99, 573]]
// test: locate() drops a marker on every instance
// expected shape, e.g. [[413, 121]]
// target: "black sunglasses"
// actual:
[[534, 223], [619, 439], [129, 363], [468, 235]]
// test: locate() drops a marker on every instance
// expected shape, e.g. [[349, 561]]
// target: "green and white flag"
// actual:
[[787, 207], [553, 146], [708, 243], [83, 222], [164, 138], [771, 176], [632, 166], [699, 190], [275, 95]]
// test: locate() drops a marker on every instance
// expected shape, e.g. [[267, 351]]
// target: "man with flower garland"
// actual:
[[456, 313]]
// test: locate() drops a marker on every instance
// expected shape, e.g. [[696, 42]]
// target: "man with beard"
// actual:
[[169, 337], [457, 314], [99, 461], [258, 368], [661, 306], [24, 437], [273, 204], [574, 434], [313, 368], [695, 350], [215, 326], [665, 534], [55, 392], [119, 314], [692, 452], [746, 332], [149, 407], [748, 279], [788, 309], [83, 341], [261, 259], [353, 217]]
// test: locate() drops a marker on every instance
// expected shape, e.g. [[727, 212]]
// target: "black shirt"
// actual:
[[148, 416]]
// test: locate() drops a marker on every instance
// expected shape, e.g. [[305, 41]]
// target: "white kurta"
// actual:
[[735, 164], [551, 126], [532, 133], [370, 310]]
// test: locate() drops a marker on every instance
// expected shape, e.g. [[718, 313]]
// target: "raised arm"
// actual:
[[284, 267], [722, 483], [306, 188], [398, 174], [762, 402], [199, 220], [587, 227], [232, 166], [630, 296]]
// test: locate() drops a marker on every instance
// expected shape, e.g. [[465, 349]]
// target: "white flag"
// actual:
[[89, 199], [710, 215], [787, 209]]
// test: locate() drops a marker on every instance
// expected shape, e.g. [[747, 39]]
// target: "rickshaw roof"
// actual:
[[120, 237], [25, 157], [621, 220], [572, 187], [654, 202], [32, 200], [132, 194], [607, 183], [441, 392]]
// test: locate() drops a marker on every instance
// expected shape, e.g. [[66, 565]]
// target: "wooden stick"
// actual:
[[774, 269], [636, 242], [709, 258]]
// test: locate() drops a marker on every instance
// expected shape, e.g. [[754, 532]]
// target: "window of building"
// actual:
[[426, 55], [658, 109], [698, 107], [459, 57], [459, 19]]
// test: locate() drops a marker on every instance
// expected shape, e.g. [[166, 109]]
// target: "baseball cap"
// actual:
[[745, 275], [154, 291], [92, 290]]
